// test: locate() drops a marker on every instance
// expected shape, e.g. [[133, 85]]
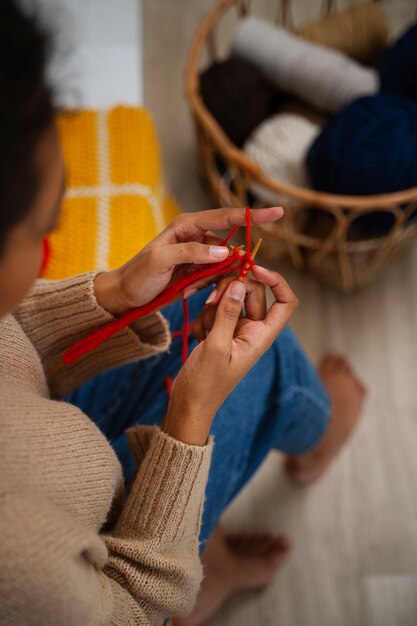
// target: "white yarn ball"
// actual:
[[325, 78], [279, 146]]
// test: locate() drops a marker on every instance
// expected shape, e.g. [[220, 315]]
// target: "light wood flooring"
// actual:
[[355, 556]]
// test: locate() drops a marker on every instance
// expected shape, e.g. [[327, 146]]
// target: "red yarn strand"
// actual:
[[168, 384], [179, 333], [185, 331], [46, 256], [230, 235], [248, 242], [248, 261]]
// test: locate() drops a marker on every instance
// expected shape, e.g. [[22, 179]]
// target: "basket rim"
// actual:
[[239, 158]]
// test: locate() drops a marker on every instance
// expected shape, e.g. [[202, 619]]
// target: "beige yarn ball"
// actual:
[[279, 146]]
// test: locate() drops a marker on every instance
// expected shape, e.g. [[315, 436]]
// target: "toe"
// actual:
[[361, 386], [327, 361], [260, 544], [332, 362], [343, 364], [248, 543], [263, 555]]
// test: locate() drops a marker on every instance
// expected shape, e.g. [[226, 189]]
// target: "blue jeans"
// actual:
[[280, 405]]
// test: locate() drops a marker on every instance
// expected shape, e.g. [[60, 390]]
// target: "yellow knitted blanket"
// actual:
[[115, 201]]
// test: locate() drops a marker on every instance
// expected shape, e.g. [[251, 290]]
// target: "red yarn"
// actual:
[[247, 217], [179, 333], [185, 331], [168, 384], [246, 266], [46, 255], [231, 263], [232, 232]]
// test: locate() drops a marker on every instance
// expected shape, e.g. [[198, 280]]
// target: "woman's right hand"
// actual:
[[219, 363]]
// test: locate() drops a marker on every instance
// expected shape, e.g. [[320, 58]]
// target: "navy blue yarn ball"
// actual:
[[370, 147], [398, 70]]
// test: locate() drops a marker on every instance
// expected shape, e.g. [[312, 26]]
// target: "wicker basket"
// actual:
[[327, 249]]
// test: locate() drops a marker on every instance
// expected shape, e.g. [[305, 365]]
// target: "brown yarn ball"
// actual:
[[360, 32], [238, 97]]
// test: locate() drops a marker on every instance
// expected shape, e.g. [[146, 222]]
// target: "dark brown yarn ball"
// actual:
[[238, 97]]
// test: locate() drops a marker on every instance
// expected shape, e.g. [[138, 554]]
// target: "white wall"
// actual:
[[100, 60]]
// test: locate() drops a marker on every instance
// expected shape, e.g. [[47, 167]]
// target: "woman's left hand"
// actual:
[[186, 242]]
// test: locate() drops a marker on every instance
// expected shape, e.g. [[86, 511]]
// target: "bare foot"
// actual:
[[348, 395], [233, 564]]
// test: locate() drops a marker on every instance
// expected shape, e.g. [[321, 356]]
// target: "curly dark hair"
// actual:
[[26, 108]]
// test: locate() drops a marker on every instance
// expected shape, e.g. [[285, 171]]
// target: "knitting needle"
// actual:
[[252, 256], [255, 249]]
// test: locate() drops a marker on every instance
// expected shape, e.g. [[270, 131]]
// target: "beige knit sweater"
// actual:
[[61, 483]]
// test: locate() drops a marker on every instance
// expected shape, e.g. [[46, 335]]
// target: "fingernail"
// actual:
[[189, 292], [218, 252], [279, 208], [237, 291], [211, 296]]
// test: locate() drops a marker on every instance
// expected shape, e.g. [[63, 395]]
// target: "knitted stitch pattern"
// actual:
[[115, 201]]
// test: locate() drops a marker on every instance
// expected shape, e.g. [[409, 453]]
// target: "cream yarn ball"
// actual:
[[279, 146]]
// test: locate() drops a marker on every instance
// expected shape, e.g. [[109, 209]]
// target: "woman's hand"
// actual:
[[222, 359], [255, 305], [186, 242]]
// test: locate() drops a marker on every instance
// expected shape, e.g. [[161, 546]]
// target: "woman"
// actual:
[[76, 546]]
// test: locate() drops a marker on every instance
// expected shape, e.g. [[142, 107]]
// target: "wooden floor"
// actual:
[[355, 556]]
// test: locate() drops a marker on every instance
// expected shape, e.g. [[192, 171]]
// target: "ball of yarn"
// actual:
[[279, 147], [370, 147], [398, 70], [325, 78], [361, 32], [238, 96]]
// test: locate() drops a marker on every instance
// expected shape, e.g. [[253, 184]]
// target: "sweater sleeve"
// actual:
[[55, 571], [56, 314]]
